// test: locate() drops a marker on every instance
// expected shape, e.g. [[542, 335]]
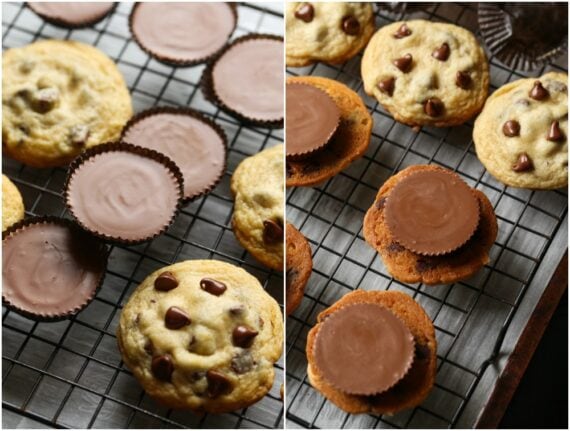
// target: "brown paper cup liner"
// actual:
[[524, 36], [97, 247], [407, 366], [192, 113], [177, 61], [319, 146], [450, 250], [66, 24], [144, 152], [207, 84]]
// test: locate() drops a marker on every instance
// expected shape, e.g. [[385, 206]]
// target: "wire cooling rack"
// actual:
[[69, 374], [477, 321]]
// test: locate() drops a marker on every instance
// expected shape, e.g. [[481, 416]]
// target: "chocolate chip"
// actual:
[[272, 232], [162, 367], [387, 86], [243, 336], [433, 107], [423, 265], [242, 362], [149, 347], [197, 375], [511, 128], [237, 310], [422, 351], [523, 163], [404, 63], [305, 12], [538, 92], [213, 286], [78, 135], [555, 134], [192, 343], [45, 99], [176, 318], [165, 282], [462, 80], [402, 31], [350, 25], [380, 203], [441, 53], [218, 384], [395, 248]]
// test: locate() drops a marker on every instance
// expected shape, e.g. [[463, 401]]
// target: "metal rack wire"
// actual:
[[471, 318], [70, 374]]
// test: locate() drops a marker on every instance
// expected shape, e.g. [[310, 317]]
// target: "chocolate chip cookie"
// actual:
[[299, 265], [521, 136], [373, 352], [426, 73], [346, 138], [59, 98], [257, 185], [202, 335], [12, 204], [430, 227], [327, 32]]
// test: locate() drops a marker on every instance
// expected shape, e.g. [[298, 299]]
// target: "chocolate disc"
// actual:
[[312, 118], [432, 212], [363, 349], [72, 14]]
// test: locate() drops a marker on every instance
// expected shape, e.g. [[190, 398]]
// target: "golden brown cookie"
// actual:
[[412, 389], [411, 267], [12, 203], [349, 142], [299, 265]]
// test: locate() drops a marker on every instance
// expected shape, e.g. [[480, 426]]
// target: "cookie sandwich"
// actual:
[[429, 226], [328, 126]]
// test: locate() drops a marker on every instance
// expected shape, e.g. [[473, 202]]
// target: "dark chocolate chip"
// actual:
[[404, 63], [423, 265], [380, 203], [511, 128], [176, 318], [165, 282], [555, 134], [213, 286], [162, 367], [350, 25], [242, 362], [422, 351], [463, 80], [387, 86], [433, 107], [305, 12], [441, 53], [272, 232], [149, 347], [402, 31], [78, 135], [45, 99], [243, 336], [538, 92], [218, 384], [395, 248], [523, 163]]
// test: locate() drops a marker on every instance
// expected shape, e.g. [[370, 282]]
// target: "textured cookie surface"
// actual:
[[58, 98], [257, 185], [409, 267], [431, 73], [191, 358], [299, 265], [416, 384], [12, 203], [328, 32], [529, 125], [349, 142]]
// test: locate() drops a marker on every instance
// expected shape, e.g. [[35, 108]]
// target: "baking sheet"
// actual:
[[478, 321], [70, 374]]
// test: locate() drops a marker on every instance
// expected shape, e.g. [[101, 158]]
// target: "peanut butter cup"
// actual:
[[312, 119], [184, 33], [51, 268], [432, 212], [72, 14], [246, 80], [363, 349], [194, 142], [124, 193]]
